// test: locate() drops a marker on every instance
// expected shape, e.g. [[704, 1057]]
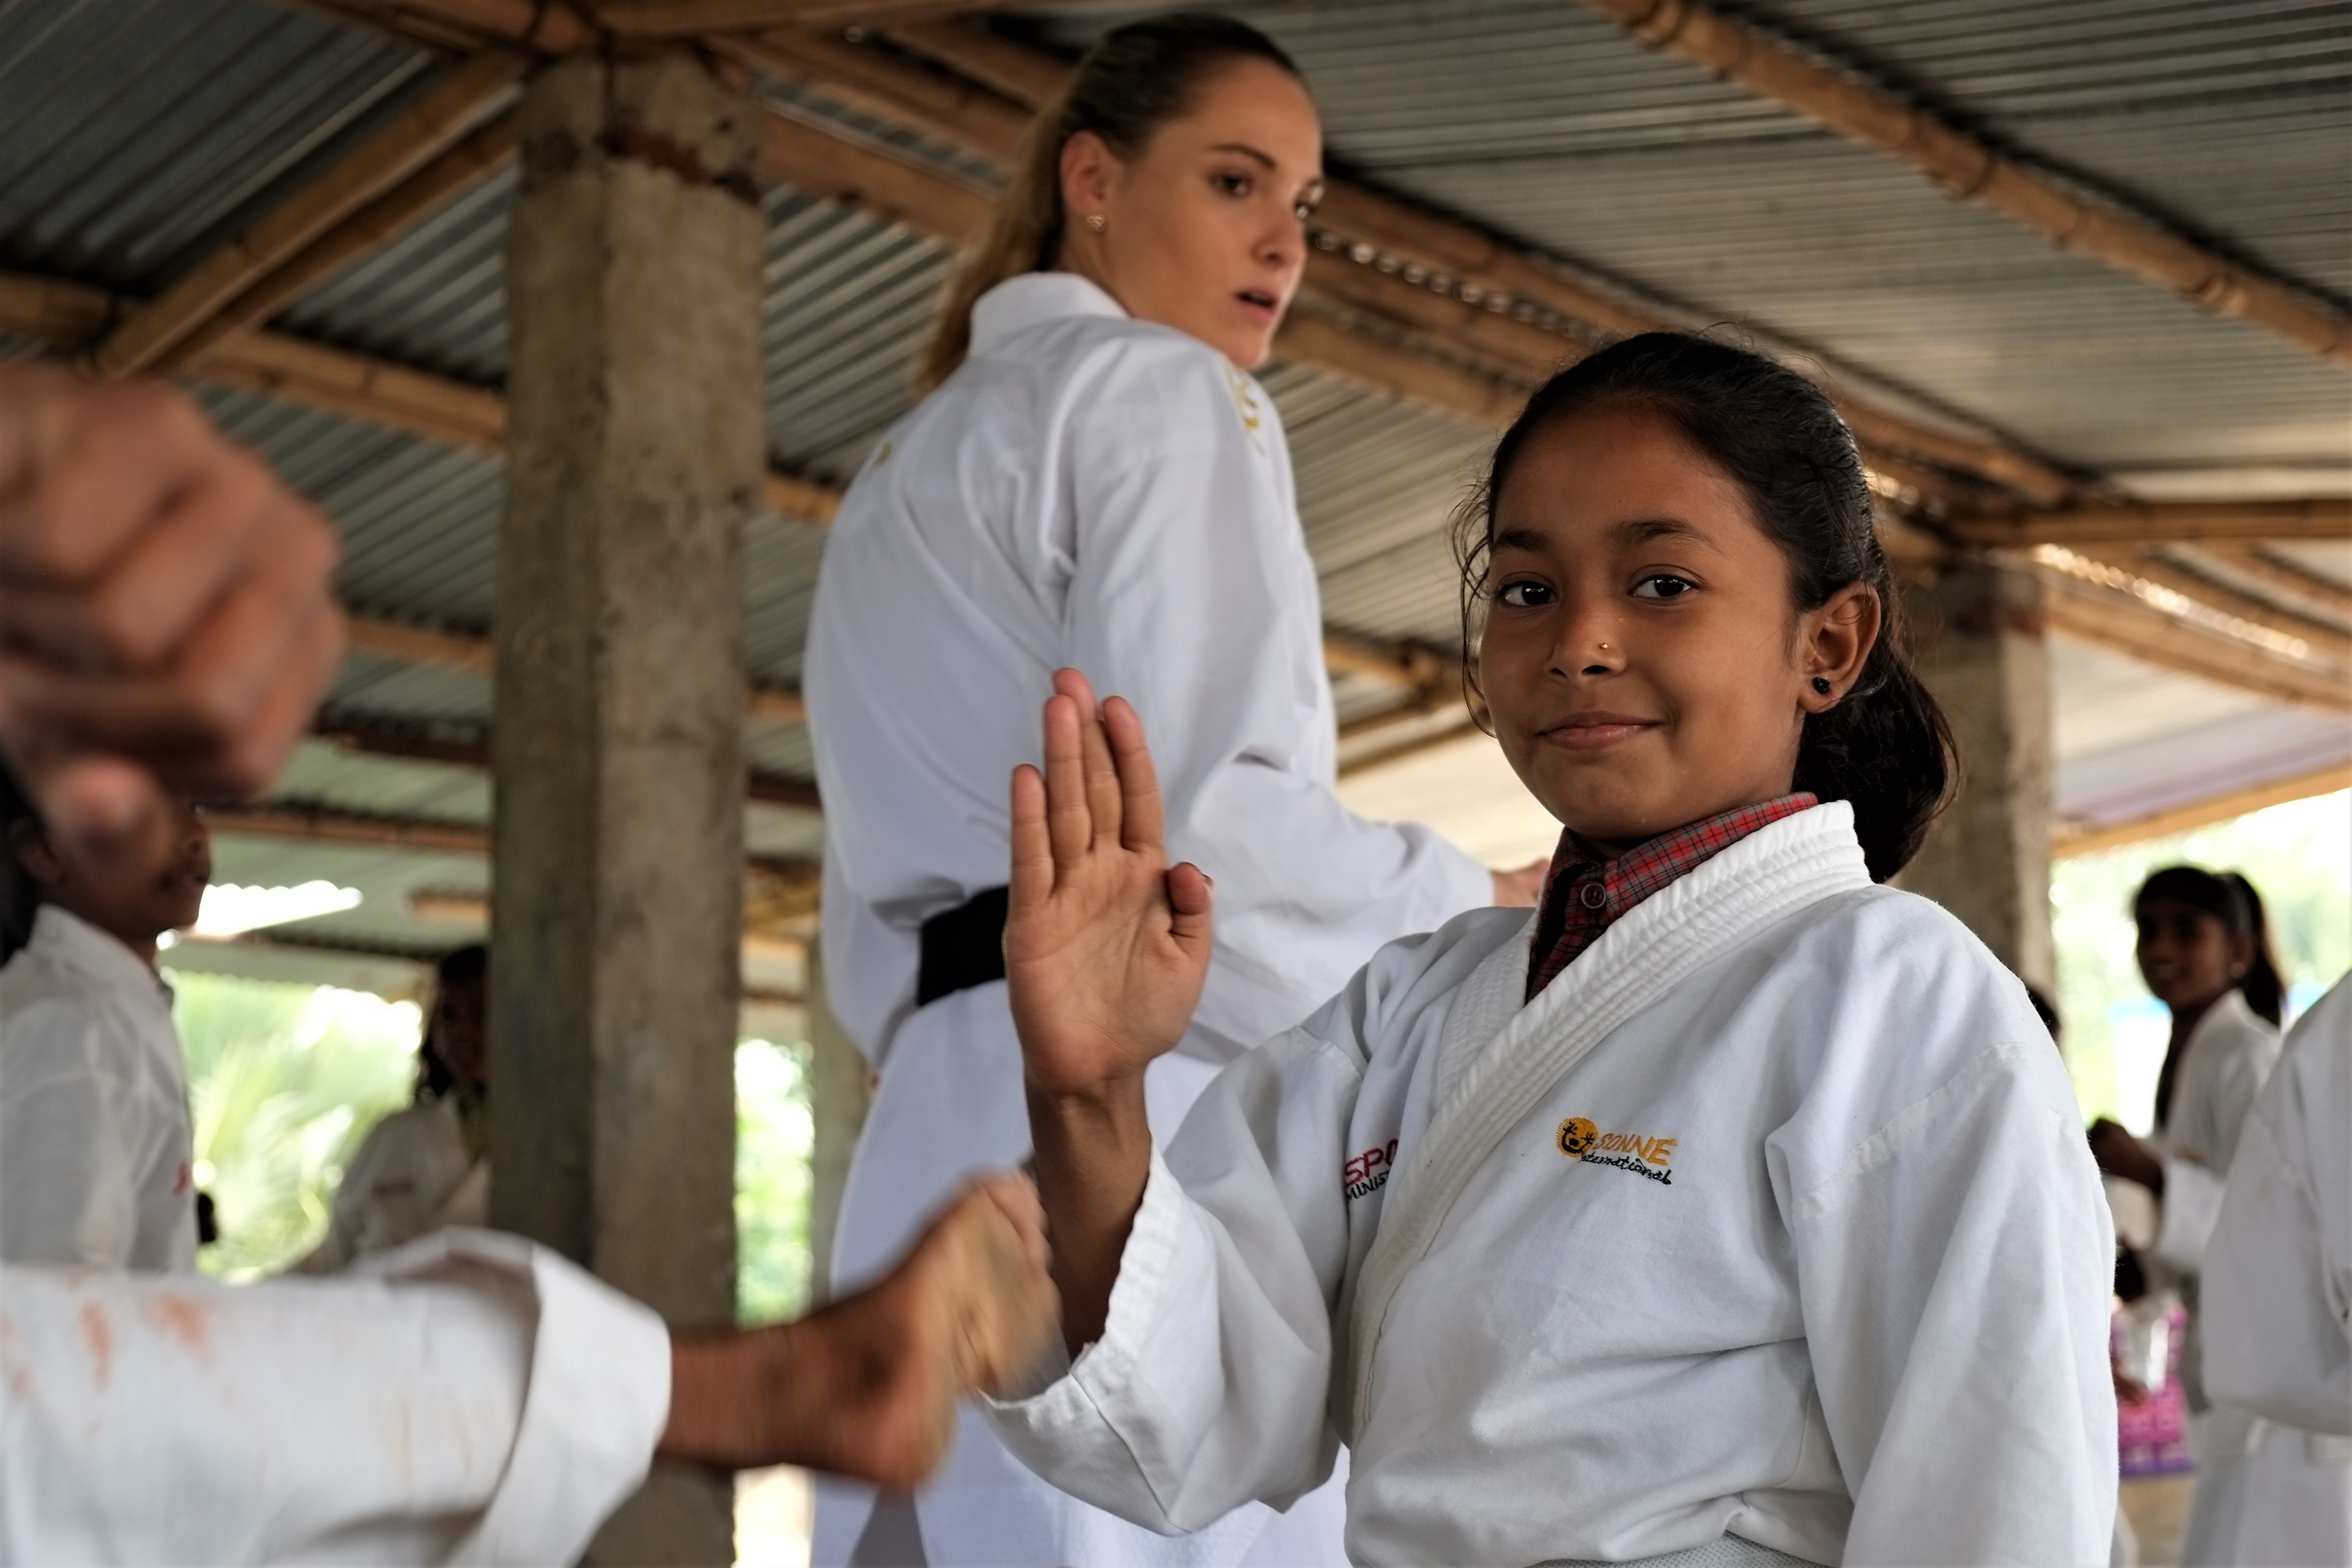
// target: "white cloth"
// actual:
[[413, 1174], [1770, 1216], [95, 1141], [468, 1399], [2229, 1054], [2278, 1305], [1089, 491]]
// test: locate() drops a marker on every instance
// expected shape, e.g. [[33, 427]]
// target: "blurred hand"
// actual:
[[2118, 1153], [867, 1386], [1519, 890], [1106, 946], [165, 610]]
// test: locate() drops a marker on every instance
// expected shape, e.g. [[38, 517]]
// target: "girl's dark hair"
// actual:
[[457, 966], [1886, 748], [2229, 898], [20, 896], [1134, 80]]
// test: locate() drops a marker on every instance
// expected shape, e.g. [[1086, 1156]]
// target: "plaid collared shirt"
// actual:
[[1584, 893]]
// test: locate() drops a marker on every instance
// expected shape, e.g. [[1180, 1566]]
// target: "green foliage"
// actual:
[[283, 1080], [2298, 856], [772, 1131]]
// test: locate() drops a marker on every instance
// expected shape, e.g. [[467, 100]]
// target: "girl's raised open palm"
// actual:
[[1106, 945]]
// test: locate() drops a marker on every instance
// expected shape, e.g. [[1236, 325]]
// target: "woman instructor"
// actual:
[[1096, 481]]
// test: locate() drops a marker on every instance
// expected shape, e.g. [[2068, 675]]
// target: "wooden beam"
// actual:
[[463, 907], [453, 650], [941, 106], [410, 742], [2326, 640], [1473, 266], [2163, 522], [66, 315], [455, 171], [412, 139], [2130, 626], [2280, 571], [2222, 807], [888, 188], [1968, 167]]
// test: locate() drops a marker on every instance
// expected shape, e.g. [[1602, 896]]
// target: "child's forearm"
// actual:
[[1094, 1155]]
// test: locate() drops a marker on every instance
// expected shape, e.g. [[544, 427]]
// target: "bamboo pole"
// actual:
[[1970, 169], [2255, 562], [2158, 522], [455, 171], [2326, 639], [2221, 807], [412, 139], [2129, 626]]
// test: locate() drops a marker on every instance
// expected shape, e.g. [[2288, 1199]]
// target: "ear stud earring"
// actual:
[[1096, 222], [1821, 684]]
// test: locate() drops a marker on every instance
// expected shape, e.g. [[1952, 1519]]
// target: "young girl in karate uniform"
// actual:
[[1730, 1208]]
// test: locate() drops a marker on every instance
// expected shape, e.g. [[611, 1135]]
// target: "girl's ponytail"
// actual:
[[1886, 748], [2264, 991]]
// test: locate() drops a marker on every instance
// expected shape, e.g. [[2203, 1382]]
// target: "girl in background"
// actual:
[[428, 1167], [2204, 952], [1733, 1208]]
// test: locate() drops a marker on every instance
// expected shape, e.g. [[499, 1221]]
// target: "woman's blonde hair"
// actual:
[[1133, 81]]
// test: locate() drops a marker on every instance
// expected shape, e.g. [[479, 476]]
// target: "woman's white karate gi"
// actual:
[[1095, 491], [1770, 1216], [413, 1174], [2278, 1305]]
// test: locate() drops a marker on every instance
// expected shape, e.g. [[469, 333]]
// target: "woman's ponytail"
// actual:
[[1885, 748], [1134, 80]]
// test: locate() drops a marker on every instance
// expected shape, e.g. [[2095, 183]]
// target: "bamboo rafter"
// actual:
[[1971, 168]]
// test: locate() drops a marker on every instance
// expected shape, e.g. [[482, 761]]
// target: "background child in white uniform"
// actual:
[[1733, 1208], [2278, 1301], [2203, 952], [96, 1143], [427, 1167]]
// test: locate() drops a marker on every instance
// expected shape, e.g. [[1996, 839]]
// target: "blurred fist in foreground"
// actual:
[[166, 604]]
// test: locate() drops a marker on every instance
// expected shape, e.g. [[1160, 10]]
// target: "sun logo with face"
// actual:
[[1577, 1135]]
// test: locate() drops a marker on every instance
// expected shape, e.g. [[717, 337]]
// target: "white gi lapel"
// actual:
[[1661, 941]]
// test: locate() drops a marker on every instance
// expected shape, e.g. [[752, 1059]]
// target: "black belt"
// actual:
[[963, 947]]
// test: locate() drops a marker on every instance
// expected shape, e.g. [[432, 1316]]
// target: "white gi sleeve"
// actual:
[[2192, 1188], [1210, 1385], [471, 1398], [341, 1245], [2277, 1304], [1954, 1274], [67, 1195], [1193, 598]]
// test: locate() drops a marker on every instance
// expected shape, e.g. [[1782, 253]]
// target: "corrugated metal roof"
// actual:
[[133, 133]]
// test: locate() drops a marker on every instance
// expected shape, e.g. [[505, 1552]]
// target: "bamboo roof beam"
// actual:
[[412, 139], [1481, 267], [1969, 168], [2085, 602], [2089, 840], [2252, 560], [66, 316], [2326, 641], [473, 160], [2163, 522], [407, 742]]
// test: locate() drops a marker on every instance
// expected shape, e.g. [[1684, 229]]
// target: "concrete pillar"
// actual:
[[1982, 651], [840, 1089], [635, 452]]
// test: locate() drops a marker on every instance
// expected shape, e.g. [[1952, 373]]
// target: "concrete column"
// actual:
[[840, 1089], [1982, 651], [635, 452]]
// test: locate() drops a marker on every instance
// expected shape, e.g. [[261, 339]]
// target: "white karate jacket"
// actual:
[[470, 1399], [411, 1174], [1771, 1216], [1106, 494], [2278, 1301], [95, 1140]]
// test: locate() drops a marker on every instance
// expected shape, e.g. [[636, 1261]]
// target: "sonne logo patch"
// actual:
[[1645, 1154]]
